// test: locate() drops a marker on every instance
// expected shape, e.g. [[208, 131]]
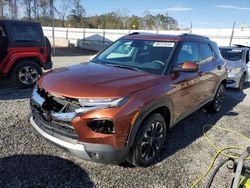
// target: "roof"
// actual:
[[162, 37], [7, 21]]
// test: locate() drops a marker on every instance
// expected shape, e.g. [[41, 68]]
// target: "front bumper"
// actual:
[[233, 81], [95, 152]]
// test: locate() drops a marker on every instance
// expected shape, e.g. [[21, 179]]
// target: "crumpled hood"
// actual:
[[91, 80]]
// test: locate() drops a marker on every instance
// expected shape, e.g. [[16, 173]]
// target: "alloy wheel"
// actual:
[[219, 98], [28, 75], [151, 141]]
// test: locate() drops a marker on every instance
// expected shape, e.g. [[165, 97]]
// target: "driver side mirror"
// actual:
[[187, 66]]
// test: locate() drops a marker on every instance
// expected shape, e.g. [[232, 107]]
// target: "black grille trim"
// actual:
[[53, 127]]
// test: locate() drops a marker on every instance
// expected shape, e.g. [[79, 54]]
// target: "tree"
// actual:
[[77, 14], [62, 10], [35, 9], [2, 5], [28, 8], [44, 7], [134, 22], [149, 21]]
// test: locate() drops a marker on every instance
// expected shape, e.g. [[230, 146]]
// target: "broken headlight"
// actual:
[[111, 103]]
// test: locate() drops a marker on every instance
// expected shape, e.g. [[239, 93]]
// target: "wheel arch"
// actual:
[[162, 106], [21, 59]]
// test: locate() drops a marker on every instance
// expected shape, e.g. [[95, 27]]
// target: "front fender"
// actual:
[[146, 110]]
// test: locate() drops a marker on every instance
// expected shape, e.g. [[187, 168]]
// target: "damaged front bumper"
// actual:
[[95, 152], [61, 116], [56, 128]]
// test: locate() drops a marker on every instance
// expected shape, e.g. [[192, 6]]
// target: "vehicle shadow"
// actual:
[[41, 171], [191, 128], [8, 91]]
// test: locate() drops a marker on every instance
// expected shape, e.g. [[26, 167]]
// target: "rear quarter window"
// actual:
[[26, 32], [206, 53]]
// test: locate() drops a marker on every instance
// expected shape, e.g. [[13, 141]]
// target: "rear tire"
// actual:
[[149, 141], [26, 73], [242, 81], [216, 104]]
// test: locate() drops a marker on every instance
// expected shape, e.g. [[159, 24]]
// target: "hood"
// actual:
[[235, 64], [91, 80]]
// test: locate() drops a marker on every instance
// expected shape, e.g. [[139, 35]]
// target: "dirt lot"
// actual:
[[26, 160]]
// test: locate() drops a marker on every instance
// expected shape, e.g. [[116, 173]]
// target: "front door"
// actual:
[[185, 92]]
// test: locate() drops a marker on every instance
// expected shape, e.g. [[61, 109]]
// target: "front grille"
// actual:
[[41, 116], [58, 104]]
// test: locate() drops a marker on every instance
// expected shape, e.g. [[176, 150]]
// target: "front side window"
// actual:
[[189, 52], [206, 53], [231, 54], [26, 32], [143, 55]]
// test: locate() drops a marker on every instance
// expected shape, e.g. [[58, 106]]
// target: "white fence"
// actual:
[[98, 38]]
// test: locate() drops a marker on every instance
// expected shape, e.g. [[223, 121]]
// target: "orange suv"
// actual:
[[119, 106]]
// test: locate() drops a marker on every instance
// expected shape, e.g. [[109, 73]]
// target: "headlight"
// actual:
[[112, 103], [235, 70]]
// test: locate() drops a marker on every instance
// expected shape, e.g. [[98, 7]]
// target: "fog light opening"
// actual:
[[95, 156], [103, 126]]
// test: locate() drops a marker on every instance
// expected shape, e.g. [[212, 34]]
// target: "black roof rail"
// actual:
[[134, 33], [192, 35], [241, 46]]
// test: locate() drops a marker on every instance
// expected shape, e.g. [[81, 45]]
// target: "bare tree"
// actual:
[[44, 7], [1, 8], [28, 8], [35, 9], [62, 10]]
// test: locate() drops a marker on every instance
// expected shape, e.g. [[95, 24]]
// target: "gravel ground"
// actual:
[[26, 160]]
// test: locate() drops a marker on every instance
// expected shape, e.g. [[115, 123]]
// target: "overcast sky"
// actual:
[[202, 13]]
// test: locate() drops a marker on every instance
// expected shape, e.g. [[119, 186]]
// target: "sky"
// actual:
[[201, 13]]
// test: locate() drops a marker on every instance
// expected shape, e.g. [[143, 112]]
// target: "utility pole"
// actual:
[[53, 24], [232, 35], [191, 27]]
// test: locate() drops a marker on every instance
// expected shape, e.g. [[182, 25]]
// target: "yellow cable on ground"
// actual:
[[220, 151]]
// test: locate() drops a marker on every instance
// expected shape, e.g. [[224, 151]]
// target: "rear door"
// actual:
[[209, 72]]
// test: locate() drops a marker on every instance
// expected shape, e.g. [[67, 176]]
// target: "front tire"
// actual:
[[26, 73], [149, 141], [216, 104], [242, 81]]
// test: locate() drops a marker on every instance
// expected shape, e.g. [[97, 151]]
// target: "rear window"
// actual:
[[26, 33], [231, 54]]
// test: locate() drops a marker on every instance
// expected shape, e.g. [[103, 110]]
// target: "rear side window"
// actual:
[[189, 52], [26, 33], [206, 53], [247, 59]]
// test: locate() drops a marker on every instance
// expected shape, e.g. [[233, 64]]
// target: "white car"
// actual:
[[238, 65]]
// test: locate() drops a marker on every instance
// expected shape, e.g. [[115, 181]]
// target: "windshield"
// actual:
[[232, 54], [140, 55]]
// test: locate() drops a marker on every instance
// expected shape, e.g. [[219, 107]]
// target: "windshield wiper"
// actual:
[[124, 67]]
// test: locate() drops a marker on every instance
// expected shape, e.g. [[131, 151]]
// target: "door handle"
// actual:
[[219, 67]]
